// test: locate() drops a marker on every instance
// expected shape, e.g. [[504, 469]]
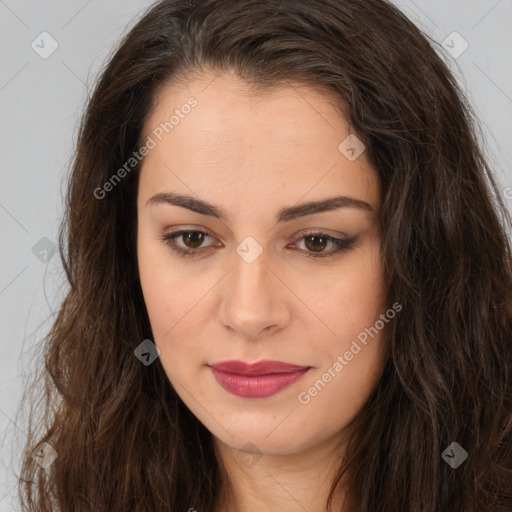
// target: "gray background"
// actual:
[[41, 100]]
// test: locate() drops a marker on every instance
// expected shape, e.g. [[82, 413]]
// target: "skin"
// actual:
[[251, 155]]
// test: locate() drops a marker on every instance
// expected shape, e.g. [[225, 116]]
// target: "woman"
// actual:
[[290, 283]]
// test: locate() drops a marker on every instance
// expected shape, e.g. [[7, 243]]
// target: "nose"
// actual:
[[254, 300]]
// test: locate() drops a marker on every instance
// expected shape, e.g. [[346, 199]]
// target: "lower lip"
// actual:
[[260, 386]]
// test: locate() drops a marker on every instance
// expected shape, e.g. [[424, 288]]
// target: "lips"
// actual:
[[255, 369], [259, 380]]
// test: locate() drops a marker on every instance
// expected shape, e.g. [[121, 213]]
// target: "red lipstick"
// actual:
[[258, 380]]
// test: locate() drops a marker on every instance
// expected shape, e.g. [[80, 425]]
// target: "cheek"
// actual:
[[352, 358], [176, 307], [160, 287], [354, 345], [333, 398], [349, 299]]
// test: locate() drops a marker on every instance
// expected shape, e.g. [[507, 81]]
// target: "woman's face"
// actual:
[[255, 287]]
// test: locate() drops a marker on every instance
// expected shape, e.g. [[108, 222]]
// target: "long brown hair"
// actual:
[[124, 439]]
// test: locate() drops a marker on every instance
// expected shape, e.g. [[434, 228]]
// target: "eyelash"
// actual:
[[341, 245]]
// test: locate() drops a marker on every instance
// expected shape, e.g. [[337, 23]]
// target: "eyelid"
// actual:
[[320, 231], [300, 234]]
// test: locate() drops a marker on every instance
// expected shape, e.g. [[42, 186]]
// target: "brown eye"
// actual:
[[193, 239], [316, 243]]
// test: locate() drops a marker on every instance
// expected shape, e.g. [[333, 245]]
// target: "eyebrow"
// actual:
[[284, 215]]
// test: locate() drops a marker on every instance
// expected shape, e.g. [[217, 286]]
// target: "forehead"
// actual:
[[236, 142]]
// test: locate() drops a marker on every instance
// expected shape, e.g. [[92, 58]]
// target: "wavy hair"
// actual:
[[125, 440]]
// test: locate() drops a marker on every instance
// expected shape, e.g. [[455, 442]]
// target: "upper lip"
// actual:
[[259, 368]]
